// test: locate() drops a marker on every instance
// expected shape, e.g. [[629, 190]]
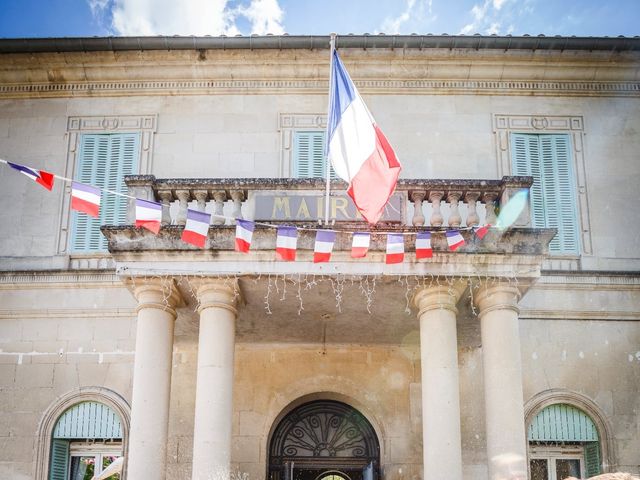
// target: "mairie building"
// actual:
[[516, 356]]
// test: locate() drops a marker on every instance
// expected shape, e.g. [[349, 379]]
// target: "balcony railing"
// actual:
[[434, 203]]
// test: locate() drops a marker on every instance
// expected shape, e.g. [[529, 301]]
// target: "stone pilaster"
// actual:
[[502, 365], [214, 390], [441, 442], [157, 300]]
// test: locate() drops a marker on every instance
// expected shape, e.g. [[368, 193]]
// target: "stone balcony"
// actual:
[[433, 205]]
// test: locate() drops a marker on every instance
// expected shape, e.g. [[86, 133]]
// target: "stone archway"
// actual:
[[323, 439]]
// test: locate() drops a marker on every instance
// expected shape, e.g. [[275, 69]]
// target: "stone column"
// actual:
[[157, 301], [502, 364], [214, 390], [441, 443]]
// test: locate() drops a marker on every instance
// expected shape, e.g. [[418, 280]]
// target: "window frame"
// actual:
[[554, 453], [97, 450], [505, 124], [145, 125], [50, 417]]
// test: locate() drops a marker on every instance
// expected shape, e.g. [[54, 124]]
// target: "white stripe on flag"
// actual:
[[87, 196], [323, 247], [146, 213], [284, 241], [200, 228]]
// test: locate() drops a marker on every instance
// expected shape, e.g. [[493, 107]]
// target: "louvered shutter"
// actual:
[[90, 420], [59, 465], [308, 155], [547, 158], [103, 161], [592, 459]]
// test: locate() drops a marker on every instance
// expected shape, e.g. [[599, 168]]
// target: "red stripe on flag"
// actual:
[[376, 180], [455, 246], [46, 179], [394, 258], [84, 206], [319, 257], [151, 225], [424, 253], [359, 252], [286, 254], [242, 245], [193, 238]]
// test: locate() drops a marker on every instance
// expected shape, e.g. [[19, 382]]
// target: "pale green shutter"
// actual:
[[547, 158], [90, 420], [592, 459], [308, 155], [103, 161], [59, 465], [562, 423]]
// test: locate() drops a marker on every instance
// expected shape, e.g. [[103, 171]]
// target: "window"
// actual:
[[548, 159], [563, 442], [103, 161], [308, 155], [86, 439]]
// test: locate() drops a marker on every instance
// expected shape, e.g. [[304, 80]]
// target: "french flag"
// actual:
[[148, 215], [40, 176], [244, 234], [395, 248], [197, 228], [482, 231], [323, 246], [360, 244], [286, 243], [358, 150], [423, 245], [85, 198], [454, 240]]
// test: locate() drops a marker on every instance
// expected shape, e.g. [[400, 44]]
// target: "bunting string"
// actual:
[[87, 199]]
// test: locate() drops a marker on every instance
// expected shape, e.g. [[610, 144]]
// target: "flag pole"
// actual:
[[326, 143]]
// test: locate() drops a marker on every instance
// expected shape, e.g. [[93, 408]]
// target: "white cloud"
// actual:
[[416, 12], [494, 28], [489, 16], [265, 16], [187, 17], [497, 4]]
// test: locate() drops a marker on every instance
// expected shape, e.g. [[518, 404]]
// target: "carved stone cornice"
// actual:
[[269, 87]]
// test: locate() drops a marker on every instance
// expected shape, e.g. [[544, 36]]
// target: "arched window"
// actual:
[[563, 442], [82, 435], [87, 439]]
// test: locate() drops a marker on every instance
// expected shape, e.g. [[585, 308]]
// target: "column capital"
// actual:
[[497, 296], [217, 293], [158, 293], [439, 297]]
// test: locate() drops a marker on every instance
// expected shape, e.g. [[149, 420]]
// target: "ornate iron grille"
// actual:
[[322, 434]]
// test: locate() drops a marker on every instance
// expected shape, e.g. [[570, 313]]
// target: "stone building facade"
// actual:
[[516, 356]]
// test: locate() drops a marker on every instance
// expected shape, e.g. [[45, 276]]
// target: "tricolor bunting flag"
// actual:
[[148, 215], [244, 234], [454, 240], [423, 245], [395, 248], [482, 231], [197, 228], [286, 244], [40, 176], [360, 244], [357, 148], [85, 198], [323, 246]]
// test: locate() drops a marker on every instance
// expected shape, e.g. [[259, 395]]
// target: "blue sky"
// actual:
[[43, 18]]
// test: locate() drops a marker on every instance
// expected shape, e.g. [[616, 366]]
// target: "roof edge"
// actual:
[[312, 42]]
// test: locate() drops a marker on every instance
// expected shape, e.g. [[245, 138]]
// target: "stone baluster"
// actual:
[[219, 198], [238, 197], [436, 216], [454, 217], [201, 197], [472, 213], [489, 200], [183, 198], [166, 197], [418, 214]]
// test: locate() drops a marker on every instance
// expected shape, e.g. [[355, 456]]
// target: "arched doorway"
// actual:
[[324, 440]]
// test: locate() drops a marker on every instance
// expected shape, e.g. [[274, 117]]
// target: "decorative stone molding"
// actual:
[[439, 297], [497, 296], [11, 280], [288, 123], [505, 124], [558, 395], [217, 294], [265, 87], [161, 294], [145, 125], [84, 394]]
